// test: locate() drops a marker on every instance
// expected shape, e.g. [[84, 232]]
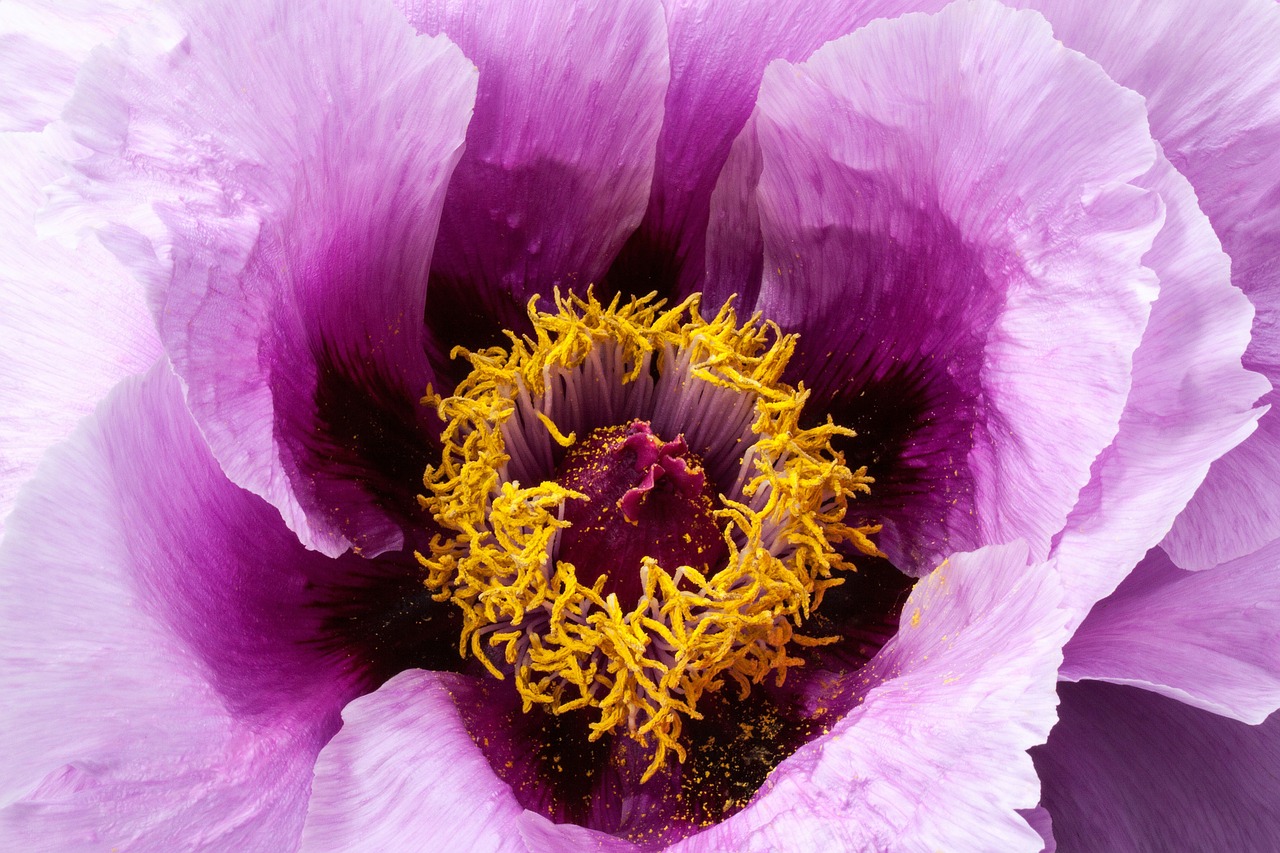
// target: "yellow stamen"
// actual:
[[570, 646]]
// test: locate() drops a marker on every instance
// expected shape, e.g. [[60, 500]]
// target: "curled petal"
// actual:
[[558, 159], [1211, 80], [296, 157], [157, 623], [936, 752], [966, 303]]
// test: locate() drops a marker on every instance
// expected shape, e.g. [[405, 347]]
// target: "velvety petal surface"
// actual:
[[295, 157], [1125, 769], [719, 50], [559, 156], [404, 774], [73, 322], [1191, 402], [159, 646], [1211, 78], [935, 755], [1210, 639], [967, 303]]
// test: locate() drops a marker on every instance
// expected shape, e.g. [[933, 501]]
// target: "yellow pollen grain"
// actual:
[[570, 646]]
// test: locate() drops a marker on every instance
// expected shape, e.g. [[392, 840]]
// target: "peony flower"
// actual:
[[719, 426]]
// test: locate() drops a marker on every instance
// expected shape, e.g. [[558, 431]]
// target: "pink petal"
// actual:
[[558, 158], [935, 756], [296, 157], [1210, 639], [1211, 79], [1129, 770], [158, 631], [73, 322], [967, 303]]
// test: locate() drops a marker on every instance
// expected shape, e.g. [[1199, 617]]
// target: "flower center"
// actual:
[[622, 572], [643, 498]]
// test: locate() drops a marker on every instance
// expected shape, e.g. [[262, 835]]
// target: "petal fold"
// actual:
[[296, 159], [968, 304], [559, 156], [404, 774], [935, 755], [1129, 770], [158, 634]]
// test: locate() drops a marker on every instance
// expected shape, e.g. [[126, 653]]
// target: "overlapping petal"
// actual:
[[936, 752], [553, 180], [1126, 769], [1211, 81], [72, 321], [1210, 638], [297, 157], [173, 690], [970, 305], [1191, 402]]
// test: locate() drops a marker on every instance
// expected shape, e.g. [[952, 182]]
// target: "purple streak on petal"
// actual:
[[1210, 639], [404, 774], [72, 321], [1129, 770], [297, 157], [157, 625], [902, 241], [719, 50], [1211, 79], [935, 755], [559, 155], [1191, 402]]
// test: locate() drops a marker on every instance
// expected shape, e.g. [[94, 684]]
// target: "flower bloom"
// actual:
[[843, 426]]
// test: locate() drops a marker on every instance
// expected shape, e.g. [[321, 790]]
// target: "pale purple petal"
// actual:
[[158, 625], [297, 156], [42, 44], [404, 774], [1210, 638], [719, 50], [1191, 402], [1211, 79], [1129, 770], [73, 322], [559, 156], [935, 755], [966, 302]]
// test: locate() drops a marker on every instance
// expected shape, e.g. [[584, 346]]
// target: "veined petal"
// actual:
[[1129, 770], [296, 157], [157, 623], [73, 322], [935, 755], [967, 303], [42, 44], [559, 155], [1211, 79], [404, 774], [719, 50], [1210, 639], [1191, 402]]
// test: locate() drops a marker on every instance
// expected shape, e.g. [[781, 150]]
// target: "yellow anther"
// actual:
[[569, 646]]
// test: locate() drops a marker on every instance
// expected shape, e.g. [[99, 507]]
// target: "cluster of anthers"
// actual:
[[560, 631]]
